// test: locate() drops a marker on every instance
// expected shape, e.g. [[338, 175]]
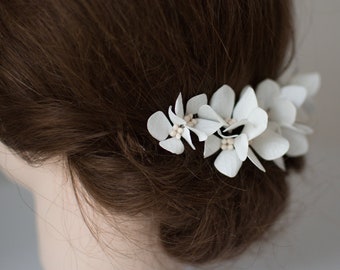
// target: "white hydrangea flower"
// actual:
[[234, 148], [181, 123], [284, 105], [311, 82], [245, 113]]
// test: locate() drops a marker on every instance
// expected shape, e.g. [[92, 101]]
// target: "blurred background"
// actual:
[[18, 239], [309, 236]]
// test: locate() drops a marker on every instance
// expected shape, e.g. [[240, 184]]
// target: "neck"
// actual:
[[65, 240], [121, 243]]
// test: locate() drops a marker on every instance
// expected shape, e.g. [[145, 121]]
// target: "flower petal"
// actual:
[[274, 126], [282, 111], [186, 135], [266, 92], [303, 128], [202, 136], [219, 132], [298, 143], [211, 146], [228, 163], [195, 103], [241, 146], [300, 128], [246, 104], [255, 160], [208, 113], [311, 81], [257, 123], [280, 163], [206, 126], [236, 125], [223, 100], [294, 93], [270, 145], [159, 126], [302, 115], [173, 145], [179, 109], [174, 118]]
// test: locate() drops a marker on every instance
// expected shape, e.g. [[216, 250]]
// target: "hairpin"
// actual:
[[265, 122]]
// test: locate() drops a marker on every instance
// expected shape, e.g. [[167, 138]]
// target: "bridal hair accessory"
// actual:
[[265, 122]]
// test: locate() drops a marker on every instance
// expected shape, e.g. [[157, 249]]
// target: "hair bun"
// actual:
[[79, 80]]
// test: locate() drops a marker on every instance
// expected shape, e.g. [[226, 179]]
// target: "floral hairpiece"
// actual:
[[267, 121]]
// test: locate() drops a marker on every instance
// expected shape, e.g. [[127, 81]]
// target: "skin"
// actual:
[[65, 241]]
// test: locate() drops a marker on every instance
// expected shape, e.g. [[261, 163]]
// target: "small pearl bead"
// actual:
[[224, 147], [224, 141], [231, 121], [230, 141], [173, 133], [194, 121], [178, 136], [190, 124], [175, 127], [187, 118], [180, 130], [230, 147]]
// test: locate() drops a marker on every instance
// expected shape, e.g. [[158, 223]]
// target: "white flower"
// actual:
[[311, 82], [181, 123], [283, 105], [234, 150], [246, 113]]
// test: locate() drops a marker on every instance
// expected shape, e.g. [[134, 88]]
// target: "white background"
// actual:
[[310, 231]]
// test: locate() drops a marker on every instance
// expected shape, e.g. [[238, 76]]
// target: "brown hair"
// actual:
[[80, 79]]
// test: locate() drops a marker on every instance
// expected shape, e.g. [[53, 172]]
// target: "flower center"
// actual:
[[227, 144], [230, 121], [176, 131], [189, 118]]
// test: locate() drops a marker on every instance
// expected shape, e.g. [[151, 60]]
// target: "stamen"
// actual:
[[227, 144], [189, 118], [231, 121], [176, 131]]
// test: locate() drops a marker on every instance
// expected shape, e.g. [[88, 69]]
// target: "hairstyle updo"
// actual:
[[80, 78]]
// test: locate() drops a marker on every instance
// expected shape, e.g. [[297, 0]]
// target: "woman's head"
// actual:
[[79, 80]]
